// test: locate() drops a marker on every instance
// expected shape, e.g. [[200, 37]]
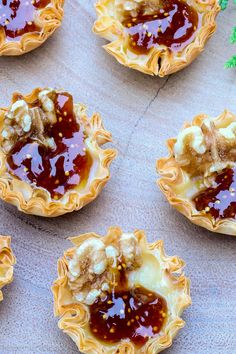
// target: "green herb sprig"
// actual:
[[231, 63]]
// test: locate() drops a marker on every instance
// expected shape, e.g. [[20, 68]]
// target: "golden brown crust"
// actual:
[[7, 260], [160, 60], [50, 19], [38, 201], [174, 178], [75, 315]]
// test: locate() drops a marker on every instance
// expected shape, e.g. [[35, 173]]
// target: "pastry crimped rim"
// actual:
[[7, 260], [50, 19], [40, 202], [112, 30], [74, 316], [172, 174]]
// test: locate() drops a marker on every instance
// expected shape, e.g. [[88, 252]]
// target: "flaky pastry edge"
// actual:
[[112, 30], [172, 174], [7, 260], [50, 18], [40, 202], [73, 317]]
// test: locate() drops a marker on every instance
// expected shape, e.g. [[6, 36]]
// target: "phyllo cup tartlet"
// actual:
[[198, 177], [7, 261], [26, 24], [156, 37], [120, 294], [51, 160]]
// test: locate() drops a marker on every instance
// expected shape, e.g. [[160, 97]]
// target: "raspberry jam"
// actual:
[[17, 16], [220, 199], [59, 169], [173, 25], [130, 314]]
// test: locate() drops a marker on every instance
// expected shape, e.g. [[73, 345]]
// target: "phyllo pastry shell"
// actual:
[[120, 294], [199, 175], [156, 37], [51, 160], [26, 24], [7, 260]]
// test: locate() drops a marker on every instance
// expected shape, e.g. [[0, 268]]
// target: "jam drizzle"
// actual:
[[220, 199], [130, 314], [56, 170], [17, 16], [174, 25]]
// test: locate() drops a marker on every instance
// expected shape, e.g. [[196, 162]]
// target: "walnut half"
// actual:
[[22, 121], [95, 265]]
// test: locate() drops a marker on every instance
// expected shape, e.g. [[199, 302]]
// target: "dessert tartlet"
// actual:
[[51, 162], [199, 175], [120, 294], [156, 37], [26, 24], [7, 260]]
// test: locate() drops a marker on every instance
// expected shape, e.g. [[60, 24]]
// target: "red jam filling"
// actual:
[[173, 25], [220, 199], [17, 16], [127, 314], [135, 315], [56, 170]]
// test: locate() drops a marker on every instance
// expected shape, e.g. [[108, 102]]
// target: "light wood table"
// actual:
[[142, 112]]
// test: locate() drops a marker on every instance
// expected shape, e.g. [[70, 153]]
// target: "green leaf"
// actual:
[[231, 63], [233, 36], [224, 4]]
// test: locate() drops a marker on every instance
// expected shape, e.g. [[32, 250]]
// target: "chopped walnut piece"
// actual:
[[46, 98], [112, 253], [129, 5], [206, 149], [87, 264], [89, 257], [130, 251], [133, 6], [23, 121], [94, 267]]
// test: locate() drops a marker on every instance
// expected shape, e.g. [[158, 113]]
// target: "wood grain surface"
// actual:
[[141, 112]]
